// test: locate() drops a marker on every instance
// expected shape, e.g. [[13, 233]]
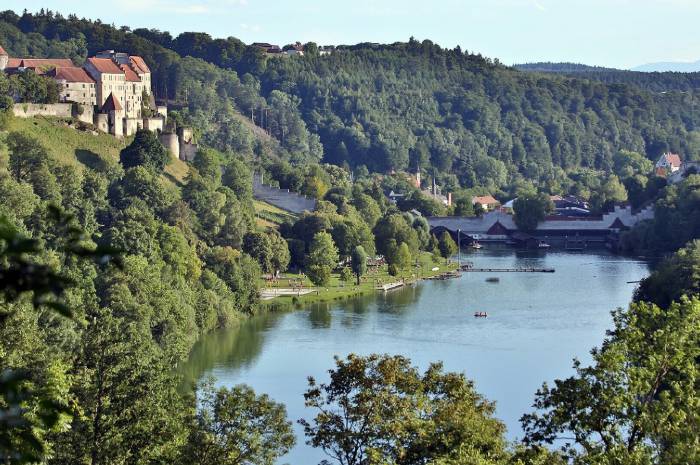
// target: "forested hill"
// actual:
[[473, 121], [559, 67], [651, 81]]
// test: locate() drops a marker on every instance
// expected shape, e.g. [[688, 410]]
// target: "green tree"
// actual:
[[530, 209], [322, 259], [447, 245], [380, 409], [675, 277], [238, 427], [145, 150], [281, 255], [359, 262], [258, 246], [636, 403], [402, 258], [346, 274]]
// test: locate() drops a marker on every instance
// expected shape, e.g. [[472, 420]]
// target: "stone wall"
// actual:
[[153, 124], [131, 125], [188, 150], [28, 110], [282, 198], [171, 144], [88, 115]]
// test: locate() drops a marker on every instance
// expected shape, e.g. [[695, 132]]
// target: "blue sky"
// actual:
[[620, 33]]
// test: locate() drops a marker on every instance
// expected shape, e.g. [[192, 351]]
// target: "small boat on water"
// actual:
[[480, 315], [493, 279], [475, 245]]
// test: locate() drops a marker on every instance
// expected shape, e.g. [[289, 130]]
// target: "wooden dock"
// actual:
[[467, 269], [390, 286]]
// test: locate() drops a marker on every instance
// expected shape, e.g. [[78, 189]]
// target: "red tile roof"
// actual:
[[105, 65], [39, 64], [139, 64], [485, 200], [673, 159], [72, 74], [131, 76], [111, 104], [2, 51]]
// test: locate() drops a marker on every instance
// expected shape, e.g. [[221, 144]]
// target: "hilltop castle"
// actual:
[[112, 91]]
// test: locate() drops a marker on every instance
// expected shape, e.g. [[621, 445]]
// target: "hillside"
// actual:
[[83, 149], [670, 66], [468, 120]]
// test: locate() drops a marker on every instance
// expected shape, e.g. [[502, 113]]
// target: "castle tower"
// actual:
[[4, 58], [113, 108]]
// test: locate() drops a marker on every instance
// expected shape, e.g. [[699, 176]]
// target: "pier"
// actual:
[[470, 269]]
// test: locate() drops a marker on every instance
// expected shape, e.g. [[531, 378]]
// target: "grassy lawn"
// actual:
[[270, 216], [79, 148], [338, 290]]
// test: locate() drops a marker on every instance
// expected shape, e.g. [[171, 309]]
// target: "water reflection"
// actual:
[[537, 323]]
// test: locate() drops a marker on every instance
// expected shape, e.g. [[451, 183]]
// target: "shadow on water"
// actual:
[[231, 347]]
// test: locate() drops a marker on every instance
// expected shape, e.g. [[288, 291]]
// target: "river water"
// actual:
[[537, 323]]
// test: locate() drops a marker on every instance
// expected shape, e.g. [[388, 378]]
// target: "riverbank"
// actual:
[[298, 291]]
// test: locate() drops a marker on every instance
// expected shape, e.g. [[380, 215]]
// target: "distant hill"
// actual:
[[565, 68], [670, 66]]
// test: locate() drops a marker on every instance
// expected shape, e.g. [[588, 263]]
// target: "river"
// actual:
[[537, 323]]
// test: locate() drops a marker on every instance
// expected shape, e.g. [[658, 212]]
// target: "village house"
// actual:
[[668, 163], [485, 202]]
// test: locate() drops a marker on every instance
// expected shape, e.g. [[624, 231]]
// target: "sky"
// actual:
[[615, 33]]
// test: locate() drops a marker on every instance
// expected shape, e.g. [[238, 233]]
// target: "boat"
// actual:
[[480, 314], [475, 245], [543, 245], [493, 279]]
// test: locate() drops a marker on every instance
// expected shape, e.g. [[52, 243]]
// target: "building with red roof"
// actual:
[[75, 85], [669, 163]]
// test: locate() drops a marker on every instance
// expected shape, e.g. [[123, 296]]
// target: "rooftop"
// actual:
[[105, 65], [71, 74], [111, 104]]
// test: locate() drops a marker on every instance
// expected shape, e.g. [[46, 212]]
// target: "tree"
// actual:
[[447, 245], [530, 209], [322, 259], [359, 262], [675, 277], [636, 403], [346, 274], [237, 427], [395, 226], [380, 409], [280, 252], [402, 257], [146, 150], [27, 155], [258, 246]]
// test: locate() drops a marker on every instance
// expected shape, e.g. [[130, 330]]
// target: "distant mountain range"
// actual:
[[573, 68], [673, 66], [566, 68]]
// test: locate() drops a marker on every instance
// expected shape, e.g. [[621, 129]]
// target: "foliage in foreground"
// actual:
[[382, 410]]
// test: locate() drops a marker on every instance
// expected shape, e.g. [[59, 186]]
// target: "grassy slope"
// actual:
[[269, 216], [79, 148]]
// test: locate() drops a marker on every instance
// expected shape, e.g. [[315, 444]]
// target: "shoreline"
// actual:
[[370, 285]]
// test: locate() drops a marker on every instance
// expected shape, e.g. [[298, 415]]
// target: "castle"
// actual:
[[112, 91]]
